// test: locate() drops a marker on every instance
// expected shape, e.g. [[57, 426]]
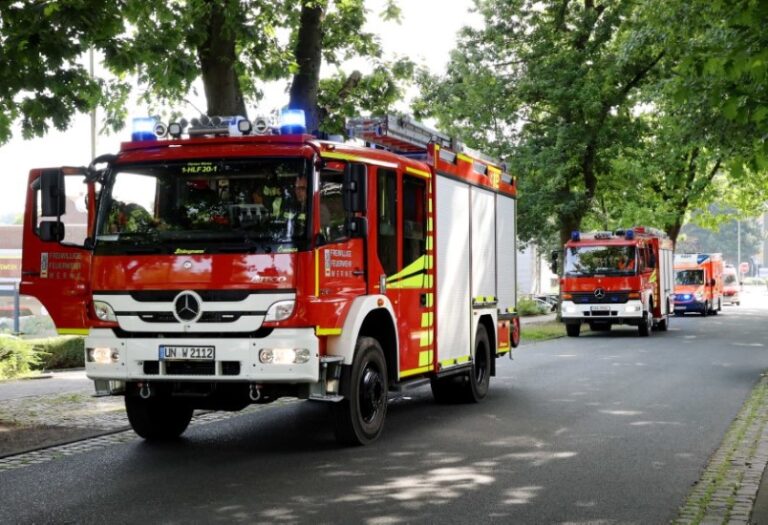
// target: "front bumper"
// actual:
[[689, 306], [630, 312], [236, 360]]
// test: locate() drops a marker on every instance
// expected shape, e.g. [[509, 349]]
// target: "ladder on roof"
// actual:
[[405, 136], [396, 133]]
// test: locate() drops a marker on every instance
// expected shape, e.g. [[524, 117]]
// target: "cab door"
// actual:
[[55, 263], [402, 238]]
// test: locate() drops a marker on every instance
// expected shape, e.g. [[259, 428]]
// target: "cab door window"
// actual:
[[414, 219], [386, 205], [332, 206]]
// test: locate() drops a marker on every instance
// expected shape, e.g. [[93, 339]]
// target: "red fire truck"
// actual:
[[699, 283], [621, 277], [228, 263]]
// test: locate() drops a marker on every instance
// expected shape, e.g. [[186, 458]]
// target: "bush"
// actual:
[[527, 306], [60, 352], [17, 357]]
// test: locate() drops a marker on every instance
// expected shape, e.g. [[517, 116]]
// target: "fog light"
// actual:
[[283, 356], [102, 355]]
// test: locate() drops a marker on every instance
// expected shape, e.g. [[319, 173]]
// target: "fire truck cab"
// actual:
[[224, 264], [699, 283], [621, 277]]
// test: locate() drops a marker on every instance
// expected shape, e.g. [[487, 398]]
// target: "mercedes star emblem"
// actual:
[[599, 293], [186, 307]]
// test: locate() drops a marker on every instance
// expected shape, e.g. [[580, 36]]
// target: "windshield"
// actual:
[[729, 278], [603, 260], [689, 277], [221, 205]]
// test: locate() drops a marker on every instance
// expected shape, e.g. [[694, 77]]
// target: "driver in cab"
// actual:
[[625, 263]]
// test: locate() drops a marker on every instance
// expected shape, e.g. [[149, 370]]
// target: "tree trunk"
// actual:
[[303, 93], [217, 63]]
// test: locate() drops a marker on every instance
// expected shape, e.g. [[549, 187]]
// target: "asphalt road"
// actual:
[[608, 428]]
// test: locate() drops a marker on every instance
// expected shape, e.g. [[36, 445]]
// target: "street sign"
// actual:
[[744, 267]]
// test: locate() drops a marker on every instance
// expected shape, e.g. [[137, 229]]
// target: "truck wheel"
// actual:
[[479, 378], [573, 329], [360, 417], [644, 329], [663, 325], [156, 418], [705, 310]]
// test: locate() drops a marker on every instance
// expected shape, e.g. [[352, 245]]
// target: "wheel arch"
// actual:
[[371, 316]]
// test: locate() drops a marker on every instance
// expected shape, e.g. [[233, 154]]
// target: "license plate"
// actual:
[[601, 308], [186, 353]]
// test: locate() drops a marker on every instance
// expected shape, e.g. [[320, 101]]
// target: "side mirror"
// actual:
[[355, 194], [51, 231], [53, 198], [356, 226]]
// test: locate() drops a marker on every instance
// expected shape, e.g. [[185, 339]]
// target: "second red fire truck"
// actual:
[[622, 277], [222, 264]]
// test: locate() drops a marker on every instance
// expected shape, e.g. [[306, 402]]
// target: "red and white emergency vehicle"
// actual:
[[731, 286], [621, 277], [224, 267], [698, 283]]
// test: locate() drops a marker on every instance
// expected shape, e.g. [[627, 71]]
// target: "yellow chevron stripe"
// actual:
[[420, 173], [73, 331]]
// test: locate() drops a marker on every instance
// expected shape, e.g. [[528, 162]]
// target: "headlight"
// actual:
[[280, 311], [632, 308], [104, 311], [102, 355], [283, 356], [699, 296], [569, 309]]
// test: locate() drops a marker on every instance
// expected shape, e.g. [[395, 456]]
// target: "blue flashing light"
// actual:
[[630, 235], [292, 122], [143, 129], [575, 236]]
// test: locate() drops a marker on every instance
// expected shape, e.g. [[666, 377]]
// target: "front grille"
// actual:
[[193, 368], [151, 368], [190, 368], [608, 298]]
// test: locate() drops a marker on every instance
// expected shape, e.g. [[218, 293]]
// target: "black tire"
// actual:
[[705, 310], [645, 327], [479, 377], [573, 329], [156, 418], [360, 417], [664, 324], [679, 313], [446, 390]]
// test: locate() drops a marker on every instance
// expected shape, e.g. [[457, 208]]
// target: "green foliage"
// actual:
[[542, 331], [17, 357], [59, 352], [723, 239], [232, 45], [527, 307]]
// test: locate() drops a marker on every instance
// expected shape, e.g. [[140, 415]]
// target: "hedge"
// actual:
[[23, 356]]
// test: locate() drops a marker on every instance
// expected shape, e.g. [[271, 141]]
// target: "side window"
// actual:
[[414, 219], [642, 257], [386, 204], [75, 218], [332, 206]]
